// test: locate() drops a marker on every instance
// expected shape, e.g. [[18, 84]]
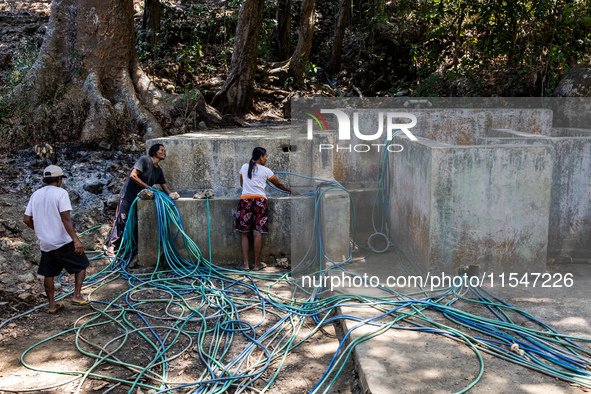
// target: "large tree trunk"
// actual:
[[302, 52], [283, 32], [237, 93], [90, 50], [335, 59], [151, 21], [294, 66]]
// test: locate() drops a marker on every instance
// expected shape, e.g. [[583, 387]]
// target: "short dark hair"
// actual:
[[51, 179], [153, 149]]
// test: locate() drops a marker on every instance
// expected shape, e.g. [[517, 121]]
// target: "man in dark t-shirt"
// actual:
[[145, 173], [148, 173]]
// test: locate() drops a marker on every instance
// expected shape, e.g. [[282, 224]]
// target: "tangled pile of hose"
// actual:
[[236, 327]]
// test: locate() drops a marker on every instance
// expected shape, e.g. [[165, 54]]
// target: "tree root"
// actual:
[[100, 117], [142, 116]]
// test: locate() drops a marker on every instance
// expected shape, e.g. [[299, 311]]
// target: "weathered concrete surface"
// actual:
[[411, 206], [335, 223], [570, 208], [362, 211], [212, 160], [291, 224], [449, 126], [460, 205], [225, 241], [452, 205]]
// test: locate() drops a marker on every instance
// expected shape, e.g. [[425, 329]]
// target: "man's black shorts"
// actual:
[[52, 263]]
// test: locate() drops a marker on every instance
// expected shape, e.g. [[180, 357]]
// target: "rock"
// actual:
[[74, 197], [460, 87], [573, 112], [112, 201], [115, 185], [174, 196], [32, 28], [12, 225], [146, 194], [96, 157], [43, 150], [179, 122], [207, 193], [576, 83], [26, 277], [27, 297], [169, 70], [133, 263], [104, 145], [525, 86], [169, 88], [94, 188], [202, 125], [283, 262]]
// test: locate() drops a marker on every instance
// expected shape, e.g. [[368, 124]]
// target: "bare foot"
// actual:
[[56, 308], [260, 266], [79, 301]]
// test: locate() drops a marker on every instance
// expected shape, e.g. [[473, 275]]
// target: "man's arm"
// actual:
[[67, 222], [165, 189], [29, 221], [135, 177]]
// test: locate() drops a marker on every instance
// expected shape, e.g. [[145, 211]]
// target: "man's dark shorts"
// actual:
[[52, 263]]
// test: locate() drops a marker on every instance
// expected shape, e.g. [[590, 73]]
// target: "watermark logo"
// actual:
[[388, 119], [315, 115]]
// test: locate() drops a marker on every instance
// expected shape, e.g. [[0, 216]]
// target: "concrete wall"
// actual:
[[449, 126], [212, 160], [225, 241], [478, 190], [411, 200], [570, 209], [462, 205], [291, 229]]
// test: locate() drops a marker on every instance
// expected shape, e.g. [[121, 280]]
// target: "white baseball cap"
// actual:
[[53, 171]]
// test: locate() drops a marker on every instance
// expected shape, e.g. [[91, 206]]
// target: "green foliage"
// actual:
[[25, 249], [428, 86], [544, 35], [20, 66], [311, 72], [266, 40]]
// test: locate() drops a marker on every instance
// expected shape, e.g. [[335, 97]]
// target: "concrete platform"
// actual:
[[411, 362]]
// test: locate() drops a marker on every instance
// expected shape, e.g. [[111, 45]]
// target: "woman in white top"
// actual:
[[252, 210]]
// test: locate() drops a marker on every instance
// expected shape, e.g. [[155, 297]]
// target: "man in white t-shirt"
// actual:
[[48, 213]]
